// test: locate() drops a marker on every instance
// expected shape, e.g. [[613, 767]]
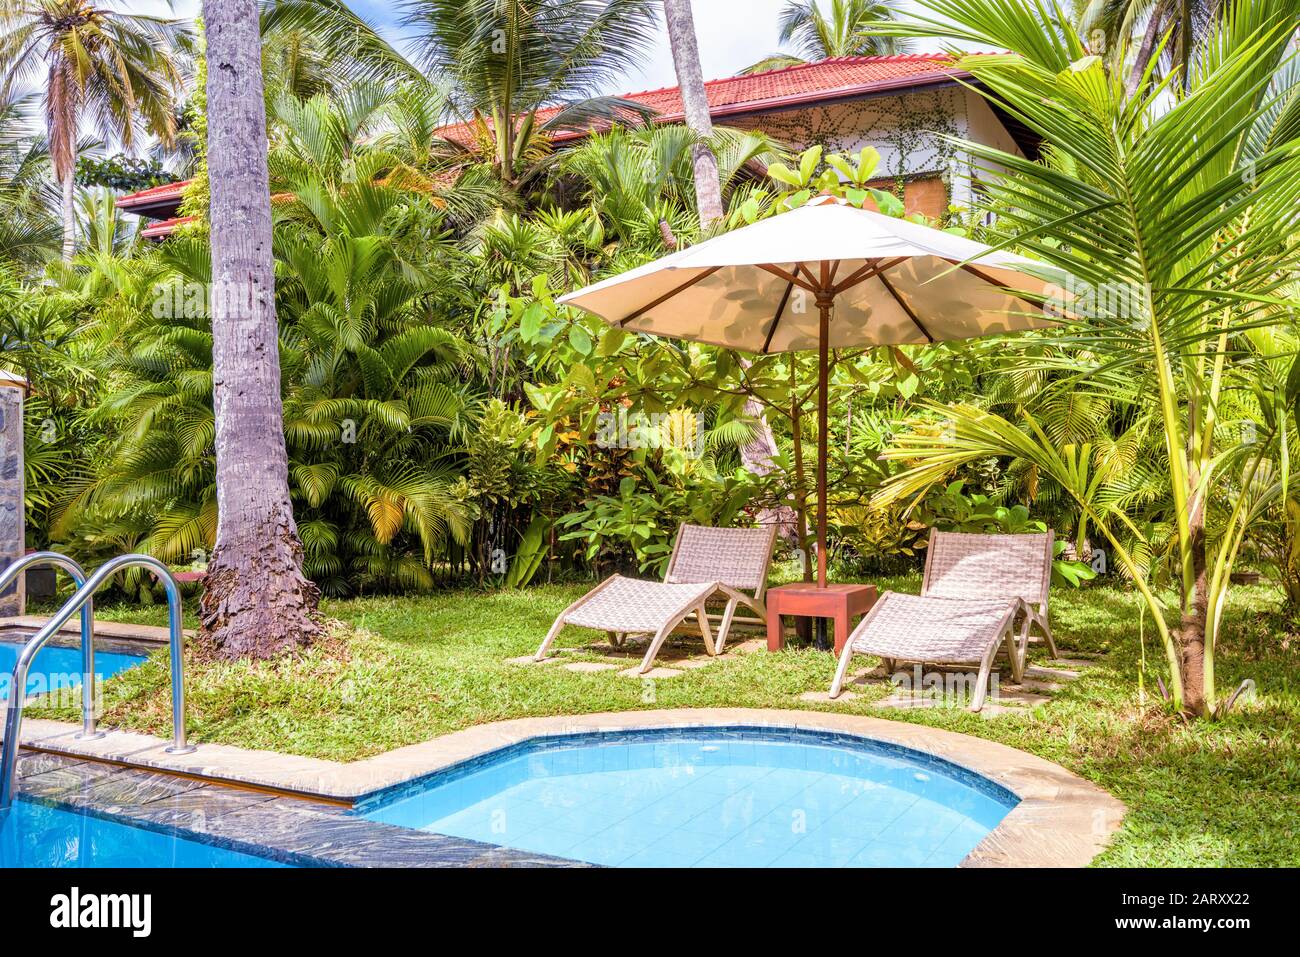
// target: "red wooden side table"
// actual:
[[842, 603]]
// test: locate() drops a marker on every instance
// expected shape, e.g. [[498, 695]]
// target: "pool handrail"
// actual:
[[78, 576], [16, 700]]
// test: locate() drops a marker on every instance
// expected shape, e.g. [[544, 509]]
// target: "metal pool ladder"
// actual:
[[82, 600]]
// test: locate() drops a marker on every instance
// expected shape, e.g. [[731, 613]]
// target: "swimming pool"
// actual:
[[714, 797], [56, 668], [37, 835]]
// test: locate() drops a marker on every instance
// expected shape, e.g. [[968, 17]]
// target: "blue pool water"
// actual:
[[54, 668], [34, 835], [710, 798]]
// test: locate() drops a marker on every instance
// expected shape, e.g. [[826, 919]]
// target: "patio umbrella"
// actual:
[[875, 280]]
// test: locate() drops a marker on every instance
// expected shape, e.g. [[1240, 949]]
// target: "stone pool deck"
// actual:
[[1061, 820]]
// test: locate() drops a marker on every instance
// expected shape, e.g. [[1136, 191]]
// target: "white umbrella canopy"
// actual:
[[893, 282], [874, 280]]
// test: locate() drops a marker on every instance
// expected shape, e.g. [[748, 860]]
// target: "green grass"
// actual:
[[1207, 794]]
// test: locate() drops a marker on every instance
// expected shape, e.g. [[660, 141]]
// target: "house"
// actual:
[[902, 105]]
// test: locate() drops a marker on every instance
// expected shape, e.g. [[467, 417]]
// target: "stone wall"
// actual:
[[12, 541]]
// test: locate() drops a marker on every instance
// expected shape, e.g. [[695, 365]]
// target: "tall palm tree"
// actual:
[[1175, 215], [1117, 21], [844, 32], [256, 600], [28, 232], [511, 58], [690, 80], [114, 69]]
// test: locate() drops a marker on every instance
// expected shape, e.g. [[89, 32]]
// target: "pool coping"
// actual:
[[1062, 820]]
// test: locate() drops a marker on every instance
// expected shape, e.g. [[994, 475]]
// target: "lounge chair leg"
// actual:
[[841, 670], [724, 628], [709, 647], [655, 643], [1017, 651], [982, 682], [1047, 633], [550, 637]]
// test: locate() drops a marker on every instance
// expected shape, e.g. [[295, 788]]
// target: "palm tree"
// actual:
[[690, 80], [1117, 21], [28, 233], [845, 32], [1175, 216], [511, 58], [256, 600], [114, 68]]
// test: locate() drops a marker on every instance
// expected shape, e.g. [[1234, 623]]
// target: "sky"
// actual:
[[732, 35]]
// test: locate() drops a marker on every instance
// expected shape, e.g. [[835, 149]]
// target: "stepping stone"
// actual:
[[589, 666], [1074, 662], [824, 697], [1021, 699], [693, 663], [1050, 674], [747, 647], [1040, 687], [652, 673], [528, 660]]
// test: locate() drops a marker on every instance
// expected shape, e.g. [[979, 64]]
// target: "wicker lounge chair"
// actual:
[[705, 562], [974, 589]]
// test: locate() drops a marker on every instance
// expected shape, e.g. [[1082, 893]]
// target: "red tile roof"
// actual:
[[149, 197], [165, 227], [807, 83]]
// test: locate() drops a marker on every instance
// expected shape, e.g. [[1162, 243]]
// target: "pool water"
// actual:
[[711, 798], [35, 835], [54, 667]]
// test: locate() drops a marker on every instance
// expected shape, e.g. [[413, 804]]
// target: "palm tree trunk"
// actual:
[[69, 214], [690, 78], [1145, 50], [256, 601], [1197, 697]]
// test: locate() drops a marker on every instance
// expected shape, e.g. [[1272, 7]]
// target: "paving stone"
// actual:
[[634, 672], [695, 663], [1077, 663], [589, 666], [528, 660], [748, 647], [1050, 674]]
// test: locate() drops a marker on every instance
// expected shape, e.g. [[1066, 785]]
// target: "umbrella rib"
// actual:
[[906, 308], [776, 319], [668, 295], [788, 277], [1000, 284], [866, 272]]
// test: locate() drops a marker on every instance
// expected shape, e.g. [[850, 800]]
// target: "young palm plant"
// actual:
[[1177, 224]]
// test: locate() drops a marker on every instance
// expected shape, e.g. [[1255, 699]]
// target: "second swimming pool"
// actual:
[[718, 797]]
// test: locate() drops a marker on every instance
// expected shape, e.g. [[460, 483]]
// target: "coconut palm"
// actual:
[[845, 31], [113, 69], [1176, 218], [1116, 22], [695, 102], [28, 233], [511, 58], [256, 600]]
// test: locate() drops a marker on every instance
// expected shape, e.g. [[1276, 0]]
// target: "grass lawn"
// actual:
[[411, 668]]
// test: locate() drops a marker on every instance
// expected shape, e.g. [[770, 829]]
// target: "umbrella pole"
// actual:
[[823, 352]]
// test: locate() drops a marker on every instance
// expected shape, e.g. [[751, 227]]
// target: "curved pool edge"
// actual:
[[1062, 820]]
